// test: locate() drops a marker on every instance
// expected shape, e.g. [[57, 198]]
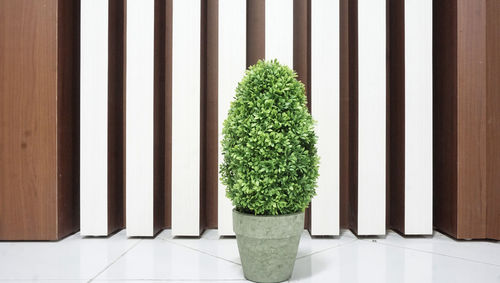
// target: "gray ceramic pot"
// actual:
[[268, 244]]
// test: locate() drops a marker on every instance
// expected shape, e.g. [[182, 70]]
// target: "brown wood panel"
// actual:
[[159, 116], [302, 57], [493, 119], [396, 106], [203, 111], [168, 114], [353, 114], [256, 38], [344, 113], [445, 116], [39, 105], [211, 116], [466, 124], [68, 117], [471, 120], [116, 118]]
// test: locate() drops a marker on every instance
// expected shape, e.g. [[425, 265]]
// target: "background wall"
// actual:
[[40, 112]]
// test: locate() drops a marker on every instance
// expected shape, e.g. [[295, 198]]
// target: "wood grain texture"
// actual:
[[471, 123], [493, 119], [39, 106], [466, 118], [116, 116]]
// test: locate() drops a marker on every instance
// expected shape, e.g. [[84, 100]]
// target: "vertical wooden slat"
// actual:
[[371, 117], [232, 65], [279, 31], [186, 90], [140, 118], [325, 110], [493, 114], [466, 151], [39, 106], [256, 38], [418, 117], [94, 118], [411, 116]]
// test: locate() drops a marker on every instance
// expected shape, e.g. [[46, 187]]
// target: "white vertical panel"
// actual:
[[279, 31], [94, 118], [372, 116], [232, 65], [325, 106], [186, 37], [139, 117], [418, 116]]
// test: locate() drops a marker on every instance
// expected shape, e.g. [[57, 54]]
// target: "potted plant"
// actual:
[[270, 169]]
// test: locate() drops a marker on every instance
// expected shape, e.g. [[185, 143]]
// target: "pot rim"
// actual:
[[267, 216]]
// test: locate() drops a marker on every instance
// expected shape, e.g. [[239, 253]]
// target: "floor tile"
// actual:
[[480, 251], [227, 248], [72, 258], [368, 261], [157, 259]]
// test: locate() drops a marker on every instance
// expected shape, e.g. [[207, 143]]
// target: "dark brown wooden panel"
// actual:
[[471, 119], [256, 39], [211, 116], [116, 116], [493, 118], [39, 110], [466, 124], [344, 113], [352, 42], [445, 115], [396, 106], [159, 115], [168, 114]]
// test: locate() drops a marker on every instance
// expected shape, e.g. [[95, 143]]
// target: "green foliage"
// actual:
[[270, 162]]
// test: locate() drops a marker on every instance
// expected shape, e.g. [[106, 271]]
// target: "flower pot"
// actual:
[[268, 244]]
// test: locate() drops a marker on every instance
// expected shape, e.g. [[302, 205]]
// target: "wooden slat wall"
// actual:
[[39, 125], [466, 119]]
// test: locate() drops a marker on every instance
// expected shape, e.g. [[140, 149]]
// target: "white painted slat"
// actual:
[[139, 117], [279, 31], [232, 65], [372, 117], [325, 106], [94, 118], [186, 37], [418, 117]]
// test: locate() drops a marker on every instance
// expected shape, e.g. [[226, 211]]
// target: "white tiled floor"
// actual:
[[210, 259]]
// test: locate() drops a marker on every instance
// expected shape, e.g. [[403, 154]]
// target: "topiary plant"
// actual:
[[270, 164]]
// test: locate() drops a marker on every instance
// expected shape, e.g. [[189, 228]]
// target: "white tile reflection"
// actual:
[[393, 259]]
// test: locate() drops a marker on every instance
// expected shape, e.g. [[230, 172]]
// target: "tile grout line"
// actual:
[[327, 249], [435, 253], [114, 261], [200, 251]]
